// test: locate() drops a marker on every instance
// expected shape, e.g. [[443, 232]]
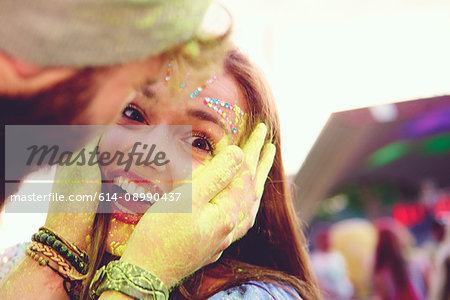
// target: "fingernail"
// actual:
[[262, 127], [270, 148], [272, 145]]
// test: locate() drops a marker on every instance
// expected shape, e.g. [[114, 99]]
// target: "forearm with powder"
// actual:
[[72, 229], [29, 278]]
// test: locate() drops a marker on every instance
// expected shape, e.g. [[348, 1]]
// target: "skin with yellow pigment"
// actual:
[[117, 248], [91, 184], [219, 178]]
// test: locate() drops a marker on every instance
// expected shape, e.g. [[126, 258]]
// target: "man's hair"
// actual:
[[48, 107], [52, 106]]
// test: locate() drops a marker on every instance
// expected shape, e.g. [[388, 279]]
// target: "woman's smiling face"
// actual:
[[185, 149]]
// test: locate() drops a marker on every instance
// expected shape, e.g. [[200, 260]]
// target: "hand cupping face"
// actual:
[[226, 180], [225, 203], [186, 130]]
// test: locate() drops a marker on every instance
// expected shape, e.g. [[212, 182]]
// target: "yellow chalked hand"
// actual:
[[225, 194], [73, 218]]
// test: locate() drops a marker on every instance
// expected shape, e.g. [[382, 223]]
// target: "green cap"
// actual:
[[95, 32]]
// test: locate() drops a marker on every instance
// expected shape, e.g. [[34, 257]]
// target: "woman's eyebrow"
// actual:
[[147, 91], [205, 116]]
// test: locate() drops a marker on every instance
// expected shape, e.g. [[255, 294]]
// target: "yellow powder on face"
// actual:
[[197, 171], [88, 239], [223, 143], [117, 248], [219, 146]]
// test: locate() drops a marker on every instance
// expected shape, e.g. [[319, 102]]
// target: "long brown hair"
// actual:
[[275, 249]]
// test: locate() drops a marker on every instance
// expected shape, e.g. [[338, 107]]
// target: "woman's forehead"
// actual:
[[189, 98], [223, 92]]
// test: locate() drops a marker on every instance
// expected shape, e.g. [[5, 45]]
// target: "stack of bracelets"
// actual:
[[63, 257]]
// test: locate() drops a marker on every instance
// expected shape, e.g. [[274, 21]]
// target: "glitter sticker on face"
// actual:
[[223, 108]]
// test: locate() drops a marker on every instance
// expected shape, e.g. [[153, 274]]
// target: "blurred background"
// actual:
[[360, 87]]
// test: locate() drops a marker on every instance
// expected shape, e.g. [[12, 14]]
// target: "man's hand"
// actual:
[[73, 220], [226, 196]]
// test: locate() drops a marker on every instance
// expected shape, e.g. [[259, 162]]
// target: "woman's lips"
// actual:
[[126, 191]]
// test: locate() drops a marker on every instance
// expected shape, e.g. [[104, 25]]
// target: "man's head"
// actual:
[[83, 58]]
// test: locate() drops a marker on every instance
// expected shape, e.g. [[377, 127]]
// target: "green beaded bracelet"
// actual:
[[78, 260]]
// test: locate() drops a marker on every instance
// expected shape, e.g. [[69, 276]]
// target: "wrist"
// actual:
[[80, 235], [128, 279]]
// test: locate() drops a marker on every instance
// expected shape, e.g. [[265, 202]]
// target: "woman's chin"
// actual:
[[118, 235]]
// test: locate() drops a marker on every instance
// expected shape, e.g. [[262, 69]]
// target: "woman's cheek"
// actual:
[[110, 141]]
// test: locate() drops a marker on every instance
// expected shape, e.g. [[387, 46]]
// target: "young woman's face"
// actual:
[[185, 149]]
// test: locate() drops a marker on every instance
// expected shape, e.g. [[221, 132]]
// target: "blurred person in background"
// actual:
[[330, 268], [440, 279], [356, 239], [394, 276]]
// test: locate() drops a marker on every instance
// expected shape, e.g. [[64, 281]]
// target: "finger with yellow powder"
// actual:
[[246, 221], [73, 220], [216, 175], [247, 186], [252, 149]]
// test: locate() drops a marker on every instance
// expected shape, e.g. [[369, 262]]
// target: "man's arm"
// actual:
[[29, 278]]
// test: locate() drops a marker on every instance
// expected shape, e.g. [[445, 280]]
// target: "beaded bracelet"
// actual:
[[76, 257], [83, 255]]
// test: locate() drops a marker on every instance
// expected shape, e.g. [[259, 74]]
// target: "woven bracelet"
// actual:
[[46, 256], [76, 257], [128, 279]]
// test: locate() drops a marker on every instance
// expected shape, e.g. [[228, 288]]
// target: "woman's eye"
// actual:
[[130, 112], [200, 142]]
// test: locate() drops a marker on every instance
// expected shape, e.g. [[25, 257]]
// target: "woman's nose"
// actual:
[[154, 145]]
